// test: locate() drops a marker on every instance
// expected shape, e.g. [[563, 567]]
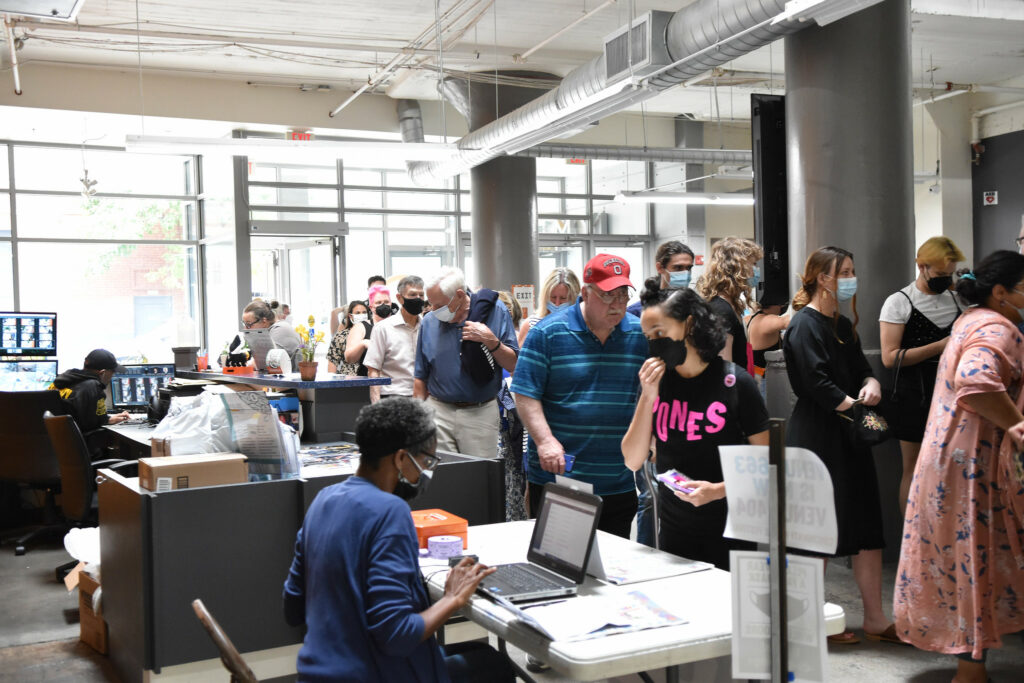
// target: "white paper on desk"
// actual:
[[751, 616], [598, 615], [810, 505], [624, 563]]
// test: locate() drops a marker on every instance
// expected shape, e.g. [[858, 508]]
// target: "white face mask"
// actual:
[[445, 314], [358, 318]]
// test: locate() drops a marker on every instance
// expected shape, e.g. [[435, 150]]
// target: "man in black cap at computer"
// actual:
[[83, 393]]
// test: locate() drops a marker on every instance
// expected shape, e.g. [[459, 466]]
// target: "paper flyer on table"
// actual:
[[596, 615], [751, 617], [810, 505]]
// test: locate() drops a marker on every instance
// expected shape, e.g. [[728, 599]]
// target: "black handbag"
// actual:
[[865, 426]]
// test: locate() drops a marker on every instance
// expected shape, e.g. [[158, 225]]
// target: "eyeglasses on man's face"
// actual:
[[430, 461], [620, 294], [248, 324]]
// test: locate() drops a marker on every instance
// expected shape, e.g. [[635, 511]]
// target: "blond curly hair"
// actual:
[[731, 264]]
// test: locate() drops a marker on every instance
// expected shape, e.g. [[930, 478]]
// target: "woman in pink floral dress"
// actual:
[[960, 586]]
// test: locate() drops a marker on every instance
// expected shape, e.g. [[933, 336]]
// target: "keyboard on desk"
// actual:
[[523, 581], [140, 420]]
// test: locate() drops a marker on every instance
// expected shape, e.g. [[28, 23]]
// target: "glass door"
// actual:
[[311, 282]]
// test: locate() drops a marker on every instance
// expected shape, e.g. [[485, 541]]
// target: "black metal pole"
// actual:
[[777, 547]]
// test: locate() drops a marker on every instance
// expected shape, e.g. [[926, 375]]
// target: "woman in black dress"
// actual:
[[691, 402], [728, 286], [828, 372]]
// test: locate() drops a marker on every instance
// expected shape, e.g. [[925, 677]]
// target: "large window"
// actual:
[[119, 266]]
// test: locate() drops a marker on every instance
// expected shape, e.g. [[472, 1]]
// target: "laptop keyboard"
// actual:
[[518, 579]]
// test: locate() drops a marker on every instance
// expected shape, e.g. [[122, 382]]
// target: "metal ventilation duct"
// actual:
[[703, 35], [681, 155]]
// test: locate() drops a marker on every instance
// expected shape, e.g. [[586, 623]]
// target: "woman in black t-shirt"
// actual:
[[728, 285], [691, 402]]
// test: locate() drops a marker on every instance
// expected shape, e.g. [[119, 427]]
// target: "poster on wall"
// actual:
[[524, 296], [990, 198]]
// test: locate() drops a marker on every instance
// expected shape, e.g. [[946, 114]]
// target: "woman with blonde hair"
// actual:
[[728, 286], [829, 374], [915, 325], [559, 291]]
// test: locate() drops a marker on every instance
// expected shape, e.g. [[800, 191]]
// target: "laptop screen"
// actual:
[[564, 531]]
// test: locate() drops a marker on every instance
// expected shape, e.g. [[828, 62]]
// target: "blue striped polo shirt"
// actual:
[[588, 391]]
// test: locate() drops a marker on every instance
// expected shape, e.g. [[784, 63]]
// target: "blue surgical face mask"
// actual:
[[755, 279], [554, 308], [846, 288], [679, 279]]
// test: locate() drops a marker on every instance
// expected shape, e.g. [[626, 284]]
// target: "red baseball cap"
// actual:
[[607, 272]]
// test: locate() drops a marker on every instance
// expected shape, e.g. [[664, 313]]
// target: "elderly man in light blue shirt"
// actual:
[[464, 344]]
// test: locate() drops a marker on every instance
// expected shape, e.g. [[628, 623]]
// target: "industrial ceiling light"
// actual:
[[58, 10], [822, 12], [705, 198], [293, 151]]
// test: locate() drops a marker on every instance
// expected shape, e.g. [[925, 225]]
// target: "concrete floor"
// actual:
[[39, 631]]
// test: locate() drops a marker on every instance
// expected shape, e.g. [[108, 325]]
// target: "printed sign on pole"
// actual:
[[990, 198], [752, 622], [524, 296], [810, 505]]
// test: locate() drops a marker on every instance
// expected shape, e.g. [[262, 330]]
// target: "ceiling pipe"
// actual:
[[9, 32], [699, 37], [521, 59], [976, 126], [556, 150]]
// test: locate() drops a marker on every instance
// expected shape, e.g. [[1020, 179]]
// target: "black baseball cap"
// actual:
[[101, 359]]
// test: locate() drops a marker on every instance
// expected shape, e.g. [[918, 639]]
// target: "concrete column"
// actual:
[[952, 117], [849, 150], [504, 194]]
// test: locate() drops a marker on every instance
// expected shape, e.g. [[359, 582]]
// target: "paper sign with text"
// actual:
[[810, 506], [752, 610], [524, 296]]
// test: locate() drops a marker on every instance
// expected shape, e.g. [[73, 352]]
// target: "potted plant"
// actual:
[[310, 339]]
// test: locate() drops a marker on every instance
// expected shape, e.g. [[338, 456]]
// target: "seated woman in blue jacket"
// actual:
[[355, 579]]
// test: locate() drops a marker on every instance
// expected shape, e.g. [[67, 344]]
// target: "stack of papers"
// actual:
[[595, 615]]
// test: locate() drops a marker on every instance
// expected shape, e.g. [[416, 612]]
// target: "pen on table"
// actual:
[[544, 604]]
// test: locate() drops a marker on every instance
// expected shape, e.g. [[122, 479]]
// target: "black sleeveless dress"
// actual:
[[913, 385], [760, 363]]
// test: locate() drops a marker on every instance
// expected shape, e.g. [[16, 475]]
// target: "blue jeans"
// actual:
[[645, 511], [477, 663]]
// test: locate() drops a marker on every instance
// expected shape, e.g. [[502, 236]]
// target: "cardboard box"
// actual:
[[159, 448], [173, 472], [439, 523], [93, 628]]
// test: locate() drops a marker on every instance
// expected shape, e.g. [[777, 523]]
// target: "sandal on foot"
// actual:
[[887, 636], [847, 637]]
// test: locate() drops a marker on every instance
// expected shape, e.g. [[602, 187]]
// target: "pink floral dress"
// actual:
[[960, 583]]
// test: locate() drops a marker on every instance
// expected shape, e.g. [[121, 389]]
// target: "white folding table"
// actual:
[[703, 599]]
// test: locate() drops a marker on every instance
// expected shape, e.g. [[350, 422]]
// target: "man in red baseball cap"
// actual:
[[578, 368]]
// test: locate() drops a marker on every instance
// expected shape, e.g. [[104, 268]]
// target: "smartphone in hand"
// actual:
[[675, 480]]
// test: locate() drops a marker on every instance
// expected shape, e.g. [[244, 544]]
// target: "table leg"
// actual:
[[503, 649], [672, 674], [645, 677]]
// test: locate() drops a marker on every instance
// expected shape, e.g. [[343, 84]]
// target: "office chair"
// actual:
[[233, 662], [77, 475], [27, 458]]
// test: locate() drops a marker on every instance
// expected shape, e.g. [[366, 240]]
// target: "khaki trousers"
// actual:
[[470, 431]]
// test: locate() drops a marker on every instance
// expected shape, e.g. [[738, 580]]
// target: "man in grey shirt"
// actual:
[[392, 351], [259, 315]]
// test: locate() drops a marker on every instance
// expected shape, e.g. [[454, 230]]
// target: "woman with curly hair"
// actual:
[[728, 286], [691, 402]]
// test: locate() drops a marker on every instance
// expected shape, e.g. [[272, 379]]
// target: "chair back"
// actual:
[[229, 656], [26, 456], [77, 481]]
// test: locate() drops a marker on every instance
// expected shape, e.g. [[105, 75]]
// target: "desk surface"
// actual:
[[702, 598], [140, 434], [290, 381]]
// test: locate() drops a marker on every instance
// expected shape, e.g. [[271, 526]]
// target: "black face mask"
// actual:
[[383, 310], [940, 284], [407, 490], [672, 351], [413, 306]]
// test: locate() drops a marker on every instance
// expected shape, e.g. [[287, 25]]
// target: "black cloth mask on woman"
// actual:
[[672, 351], [413, 306], [940, 284], [383, 310]]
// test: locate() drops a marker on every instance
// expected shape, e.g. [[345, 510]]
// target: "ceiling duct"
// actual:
[[697, 38]]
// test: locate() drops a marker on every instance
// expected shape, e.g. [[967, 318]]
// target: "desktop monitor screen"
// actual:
[[27, 375], [138, 384], [28, 334]]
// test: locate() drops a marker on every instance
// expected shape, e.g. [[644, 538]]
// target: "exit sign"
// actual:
[[304, 135], [577, 162]]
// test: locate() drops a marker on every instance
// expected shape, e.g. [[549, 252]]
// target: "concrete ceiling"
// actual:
[[340, 44]]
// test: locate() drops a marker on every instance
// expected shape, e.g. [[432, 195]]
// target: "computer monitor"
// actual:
[[28, 334], [138, 384], [27, 375]]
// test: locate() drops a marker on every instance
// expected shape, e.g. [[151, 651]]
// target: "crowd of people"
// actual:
[[598, 389]]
